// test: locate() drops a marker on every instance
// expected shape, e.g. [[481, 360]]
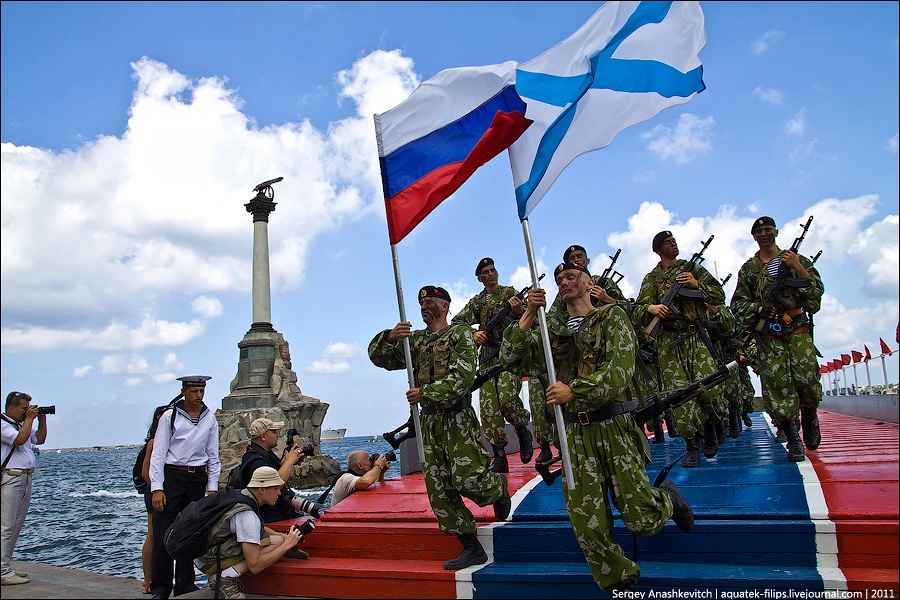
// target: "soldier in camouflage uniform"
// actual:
[[788, 366], [499, 398], [456, 462], [684, 357], [594, 350]]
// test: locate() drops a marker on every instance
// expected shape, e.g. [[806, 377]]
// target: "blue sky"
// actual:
[[134, 132]]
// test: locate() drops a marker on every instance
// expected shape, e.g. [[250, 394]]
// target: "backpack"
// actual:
[[187, 537], [236, 475], [136, 477]]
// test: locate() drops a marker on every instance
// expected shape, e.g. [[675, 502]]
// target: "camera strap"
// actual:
[[13, 449]]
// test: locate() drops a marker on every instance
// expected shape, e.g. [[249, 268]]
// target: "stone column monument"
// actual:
[[265, 384]]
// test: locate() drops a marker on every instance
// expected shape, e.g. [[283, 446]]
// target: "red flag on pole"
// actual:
[[835, 364], [868, 354], [823, 369], [845, 359], [885, 349], [857, 356]]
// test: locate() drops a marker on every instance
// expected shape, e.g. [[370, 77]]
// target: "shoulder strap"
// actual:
[[13, 448]]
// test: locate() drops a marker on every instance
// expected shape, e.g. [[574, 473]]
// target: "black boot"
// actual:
[[670, 426], [681, 510], [659, 436], [720, 431], [472, 553], [504, 504], [692, 458], [710, 439], [526, 443], [747, 421], [780, 436], [500, 464], [794, 444], [545, 455], [812, 435], [734, 424]]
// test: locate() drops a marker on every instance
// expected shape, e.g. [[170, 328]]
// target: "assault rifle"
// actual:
[[654, 406], [678, 289], [609, 270], [494, 328], [776, 298], [724, 281], [408, 429], [809, 315]]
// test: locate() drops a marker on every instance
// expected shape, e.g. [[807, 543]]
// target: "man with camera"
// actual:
[[264, 435], [247, 545], [364, 469], [17, 454]]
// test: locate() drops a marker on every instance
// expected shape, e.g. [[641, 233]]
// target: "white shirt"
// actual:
[[346, 485], [22, 456], [189, 445]]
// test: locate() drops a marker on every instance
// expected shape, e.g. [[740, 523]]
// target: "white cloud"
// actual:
[[327, 367], [82, 372], [892, 144], [690, 139], [796, 126], [768, 96], [342, 350], [153, 220], [762, 43]]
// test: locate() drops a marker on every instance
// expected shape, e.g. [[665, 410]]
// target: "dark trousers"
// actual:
[[181, 489]]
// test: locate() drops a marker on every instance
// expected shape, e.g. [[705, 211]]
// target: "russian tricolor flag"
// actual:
[[433, 141]]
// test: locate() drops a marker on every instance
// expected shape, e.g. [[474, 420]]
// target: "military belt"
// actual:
[[460, 404], [194, 469], [601, 414]]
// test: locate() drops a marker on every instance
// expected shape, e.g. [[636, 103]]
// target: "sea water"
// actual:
[[85, 513]]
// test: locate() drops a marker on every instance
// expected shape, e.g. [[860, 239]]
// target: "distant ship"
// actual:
[[333, 434]]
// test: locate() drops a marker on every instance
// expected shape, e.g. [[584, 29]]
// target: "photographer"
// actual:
[[17, 454], [264, 434], [249, 546], [364, 471]]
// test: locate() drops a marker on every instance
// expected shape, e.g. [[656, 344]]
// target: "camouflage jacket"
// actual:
[[752, 290], [658, 281], [596, 360], [481, 309], [443, 362]]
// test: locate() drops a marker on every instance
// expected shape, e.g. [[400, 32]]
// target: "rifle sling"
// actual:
[[619, 407]]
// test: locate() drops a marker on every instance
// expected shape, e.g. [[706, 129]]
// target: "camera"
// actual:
[[389, 456], [46, 410], [305, 528], [308, 450]]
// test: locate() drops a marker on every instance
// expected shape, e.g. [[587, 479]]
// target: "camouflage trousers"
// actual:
[[457, 466], [687, 362], [499, 401], [747, 391], [608, 460], [789, 375], [543, 421]]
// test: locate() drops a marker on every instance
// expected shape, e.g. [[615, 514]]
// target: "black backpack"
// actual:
[[236, 475], [139, 484], [187, 536]]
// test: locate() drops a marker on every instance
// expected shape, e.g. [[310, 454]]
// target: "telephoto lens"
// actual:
[[388, 456], [46, 410], [308, 450], [308, 506]]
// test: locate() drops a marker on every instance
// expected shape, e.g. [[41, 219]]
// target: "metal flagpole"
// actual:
[[407, 352], [884, 369], [551, 369], [855, 379], [868, 378]]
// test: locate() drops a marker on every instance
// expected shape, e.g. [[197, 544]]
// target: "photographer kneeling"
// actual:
[[364, 470], [249, 546], [264, 435]]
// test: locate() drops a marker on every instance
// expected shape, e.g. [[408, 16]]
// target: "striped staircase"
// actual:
[[761, 523]]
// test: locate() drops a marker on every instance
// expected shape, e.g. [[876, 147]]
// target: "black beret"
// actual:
[[572, 249], [660, 238], [570, 265], [761, 222], [482, 264], [194, 380], [430, 291]]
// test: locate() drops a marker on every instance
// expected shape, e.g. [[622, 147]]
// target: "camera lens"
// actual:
[[308, 450], [46, 410], [389, 455]]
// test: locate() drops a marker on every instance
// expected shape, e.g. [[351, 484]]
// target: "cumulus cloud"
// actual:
[[82, 372], [762, 43], [102, 243], [691, 138], [796, 126], [335, 358], [891, 144]]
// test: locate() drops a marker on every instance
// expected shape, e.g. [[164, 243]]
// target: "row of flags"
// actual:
[[628, 62], [855, 357]]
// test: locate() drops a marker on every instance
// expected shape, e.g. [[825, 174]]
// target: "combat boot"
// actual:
[[720, 431], [504, 504], [780, 436], [681, 510], [747, 421], [692, 458], [812, 435], [545, 455], [472, 553], [734, 424], [710, 438], [526, 443], [659, 436], [794, 444], [500, 464], [670, 426]]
